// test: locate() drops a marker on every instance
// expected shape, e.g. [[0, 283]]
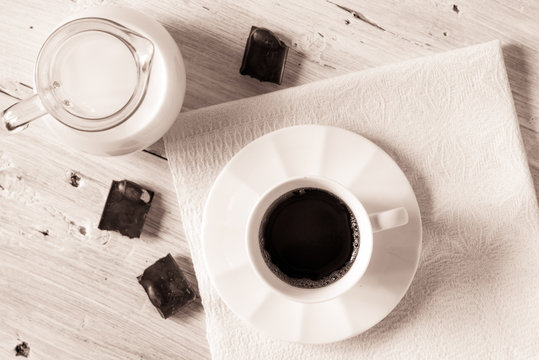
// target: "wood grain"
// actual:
[[70, 290]]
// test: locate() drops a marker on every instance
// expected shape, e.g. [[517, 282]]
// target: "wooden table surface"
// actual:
[[68, 289]]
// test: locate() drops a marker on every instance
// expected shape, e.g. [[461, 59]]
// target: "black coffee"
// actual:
[[309, 238]]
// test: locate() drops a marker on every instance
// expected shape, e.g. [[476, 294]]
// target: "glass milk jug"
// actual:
[[109, 81]]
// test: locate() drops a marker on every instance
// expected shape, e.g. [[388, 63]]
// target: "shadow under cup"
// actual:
[[303, 294]]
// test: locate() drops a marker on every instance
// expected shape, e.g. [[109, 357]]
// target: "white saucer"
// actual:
[[340, 155]]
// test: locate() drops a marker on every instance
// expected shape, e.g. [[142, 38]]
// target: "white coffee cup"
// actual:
[[368, 224]]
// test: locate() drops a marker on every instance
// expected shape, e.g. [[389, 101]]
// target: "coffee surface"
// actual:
[[309, 238]]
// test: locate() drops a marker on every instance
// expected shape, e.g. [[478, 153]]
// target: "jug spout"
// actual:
[[17, 116], [142, 48]]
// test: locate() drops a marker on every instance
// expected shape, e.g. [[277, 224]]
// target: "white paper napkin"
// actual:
[[449, 122]]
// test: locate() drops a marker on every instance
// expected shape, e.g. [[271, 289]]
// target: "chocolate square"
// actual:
[[166, 286], [126, 208], [264, 57]]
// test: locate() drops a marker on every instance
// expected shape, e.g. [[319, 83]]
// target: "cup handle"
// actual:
[[388, 219]]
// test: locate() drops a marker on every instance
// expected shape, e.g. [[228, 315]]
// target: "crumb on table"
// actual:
[[22, 349]]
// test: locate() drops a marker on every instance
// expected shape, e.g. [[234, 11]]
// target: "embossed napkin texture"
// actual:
[[449, 122]]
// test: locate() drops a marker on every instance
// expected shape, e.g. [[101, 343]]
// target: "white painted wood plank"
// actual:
[[69, 289]]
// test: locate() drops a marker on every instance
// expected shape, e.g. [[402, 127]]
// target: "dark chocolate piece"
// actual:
[[264, 57], [126, 208], [22, 349], [166, 286]]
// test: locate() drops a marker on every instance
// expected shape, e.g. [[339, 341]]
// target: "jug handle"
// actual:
[[16, 117]]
